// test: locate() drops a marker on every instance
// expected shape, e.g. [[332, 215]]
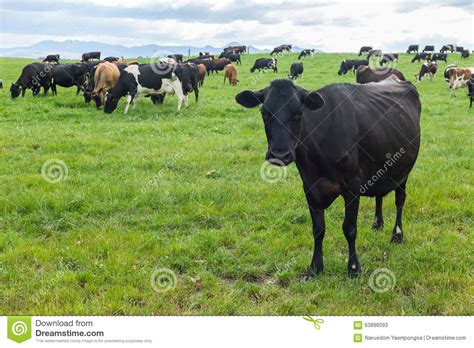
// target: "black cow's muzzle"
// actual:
[[280, 159]]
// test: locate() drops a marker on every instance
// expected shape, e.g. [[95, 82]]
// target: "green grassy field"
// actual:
[[156, 189]]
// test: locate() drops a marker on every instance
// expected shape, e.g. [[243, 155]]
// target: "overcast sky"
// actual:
[[329, 26]]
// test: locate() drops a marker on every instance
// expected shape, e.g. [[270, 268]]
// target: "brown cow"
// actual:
[[458, 77], [202, 72], [105, 78], [231, 72]]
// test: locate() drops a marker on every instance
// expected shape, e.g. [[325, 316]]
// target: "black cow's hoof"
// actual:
[[397, 239], [353, 269], [378, 225]]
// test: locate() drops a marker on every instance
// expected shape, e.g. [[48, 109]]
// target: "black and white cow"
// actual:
[[374, 54], [281, 49], [365, 145], [90, 55], [265, 63], [68, 75], [459, 49], [420, 56], [296, 70], [439, 56], [364, 49], [150, 79], [348, 64], [51, 58], [306, 52], [446, 48], [413, 49], [177, 57], [427, 69], [389, 57], [465, 54], [33, 76], [429, 48], [112, 59]]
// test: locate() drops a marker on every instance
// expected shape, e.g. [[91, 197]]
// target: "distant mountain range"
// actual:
[[73, 49]]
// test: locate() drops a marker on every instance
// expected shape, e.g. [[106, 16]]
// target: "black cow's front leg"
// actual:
[[400, 195], [378, 220], [319, 228], [350, 231]]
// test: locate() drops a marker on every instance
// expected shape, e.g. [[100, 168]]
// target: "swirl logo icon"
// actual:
[[54, 171], [273, 171], [163, 280], [382, 280], [19, 329]]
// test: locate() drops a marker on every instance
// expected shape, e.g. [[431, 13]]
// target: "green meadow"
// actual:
[[165, 213]]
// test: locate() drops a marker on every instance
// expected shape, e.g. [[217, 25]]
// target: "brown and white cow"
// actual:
[[458, 78]]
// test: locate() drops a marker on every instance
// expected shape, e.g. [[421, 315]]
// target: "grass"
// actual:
[[156, 189]]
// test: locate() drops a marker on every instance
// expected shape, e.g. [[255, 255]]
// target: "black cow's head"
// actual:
[[15, 90], [343, 68], [282, 110]]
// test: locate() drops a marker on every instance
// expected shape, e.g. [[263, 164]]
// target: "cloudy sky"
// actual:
[[327, 25]]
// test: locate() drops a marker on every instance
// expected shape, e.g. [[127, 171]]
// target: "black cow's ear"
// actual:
[[249, 99], [314, 101]]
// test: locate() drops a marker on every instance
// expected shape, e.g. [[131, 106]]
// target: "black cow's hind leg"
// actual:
[[400, 195], [319, 229], [378, 220], [350, 232]]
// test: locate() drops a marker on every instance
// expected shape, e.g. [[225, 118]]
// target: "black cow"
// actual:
[[209, 64], [470, 88], [148, 79], [422, 55], [296, 70], [427, 69], [412, 49], [367, 74], [439, 56], [51, 58], [265, 63], [362, 145], [90, 55], [374, 54], [188, 74], [236, 49], [306, 52], [68, 75], [389, 57], [218, 65], [348, 64], [429, 48], [450, 47], [33, 76], [234, 57], [459, 49], [177, 57], [112, 59], [364, 49], [281, 49], [465, 54], [1, 84]]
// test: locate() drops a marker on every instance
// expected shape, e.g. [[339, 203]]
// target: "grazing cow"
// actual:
[[205, 56], [219, 64], [459, 49], [106, 77], [230, 72], [450, 47], [348, 64], [144, 79], [306, 52], [429, 69], [177, 57], [265, 63], [1, 84], [364, 49], [465, 54], [412, 49], [374, 54], [188, 74], [470, 87], [429, 48], [209, 64], [362, 145], [90, 55], [281, 49], [234, 57], [296, 69], [420, 56], [112, 59], [68, 75], [458, 78], [366, 74], [202, 72], [236, 49], [439, 56], [389, 57], [446, 71], [33, 76], [51, 58]]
